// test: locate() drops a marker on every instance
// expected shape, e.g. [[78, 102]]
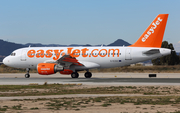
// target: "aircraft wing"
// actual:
[[68, 60]]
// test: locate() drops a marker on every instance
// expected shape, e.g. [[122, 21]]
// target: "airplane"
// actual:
[[71, 60]]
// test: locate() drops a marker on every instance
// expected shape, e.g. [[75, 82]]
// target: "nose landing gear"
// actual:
[[27, 75]]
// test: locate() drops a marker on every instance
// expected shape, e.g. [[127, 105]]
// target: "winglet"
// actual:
[[153, 35]]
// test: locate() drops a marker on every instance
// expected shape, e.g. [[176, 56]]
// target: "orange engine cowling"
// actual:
[[66, 71], [48, 68]]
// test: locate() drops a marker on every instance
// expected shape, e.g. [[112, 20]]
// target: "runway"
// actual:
[[97, 79]]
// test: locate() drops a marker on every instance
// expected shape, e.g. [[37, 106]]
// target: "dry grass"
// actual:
[[134, 69], [60, 89], [83, 104]]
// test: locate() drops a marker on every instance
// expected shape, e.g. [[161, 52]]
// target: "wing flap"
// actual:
[[68, 60]]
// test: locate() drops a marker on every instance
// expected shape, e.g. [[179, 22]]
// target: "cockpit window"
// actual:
[[13, 54]]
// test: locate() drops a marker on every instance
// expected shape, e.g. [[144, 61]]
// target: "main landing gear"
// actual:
[[27, 75], [88, 74], [76, 75]]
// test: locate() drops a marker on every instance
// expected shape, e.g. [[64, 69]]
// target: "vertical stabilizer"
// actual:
[[153, 35]]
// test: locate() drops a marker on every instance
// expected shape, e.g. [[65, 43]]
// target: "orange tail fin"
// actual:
[[153, 35]]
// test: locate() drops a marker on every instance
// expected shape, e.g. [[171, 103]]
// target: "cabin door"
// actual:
[[23, 55], [128, 54]]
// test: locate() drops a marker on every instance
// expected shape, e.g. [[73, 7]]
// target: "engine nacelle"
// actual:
[[48, 68], [66, 71]]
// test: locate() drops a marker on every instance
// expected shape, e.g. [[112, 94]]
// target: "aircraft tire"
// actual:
[[74, 75], [27, 75], [88, 74]]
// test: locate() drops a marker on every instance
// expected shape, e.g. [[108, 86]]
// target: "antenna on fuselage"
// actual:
[[29, 45]]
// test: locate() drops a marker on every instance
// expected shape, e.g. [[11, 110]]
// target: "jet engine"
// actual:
[[48, 68]]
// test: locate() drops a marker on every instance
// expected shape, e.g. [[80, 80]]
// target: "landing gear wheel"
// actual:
[[88, 74], [74, 75], [27, 75]]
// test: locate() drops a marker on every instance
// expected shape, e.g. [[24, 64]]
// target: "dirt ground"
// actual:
[[28, 106], [88, 105]]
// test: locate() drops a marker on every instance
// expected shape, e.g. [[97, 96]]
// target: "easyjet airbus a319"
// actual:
[[70, 60]]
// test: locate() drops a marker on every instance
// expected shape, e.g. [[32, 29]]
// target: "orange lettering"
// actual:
[[49, 53], [31, 53], [73, 53], [40, 54], [102, 54], [69, 50], [57, 53], [94, 54], [76, 53], [114, 52], [84, 52]]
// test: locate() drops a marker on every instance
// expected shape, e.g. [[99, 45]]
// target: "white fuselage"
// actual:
[[90, 57]]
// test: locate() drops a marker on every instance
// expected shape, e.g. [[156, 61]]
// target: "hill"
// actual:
[[119, 42], [7, 47]]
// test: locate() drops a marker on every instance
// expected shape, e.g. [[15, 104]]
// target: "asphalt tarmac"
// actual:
[[97, 79]]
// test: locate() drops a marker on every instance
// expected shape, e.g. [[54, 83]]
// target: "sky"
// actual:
[[84, 21]]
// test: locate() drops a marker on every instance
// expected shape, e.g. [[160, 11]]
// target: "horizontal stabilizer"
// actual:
[[152, 51]]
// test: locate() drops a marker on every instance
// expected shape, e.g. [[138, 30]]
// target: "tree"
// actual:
[[172, 59]]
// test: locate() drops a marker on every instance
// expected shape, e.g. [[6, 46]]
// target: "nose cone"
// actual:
[[10, 61], [6, 61]]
